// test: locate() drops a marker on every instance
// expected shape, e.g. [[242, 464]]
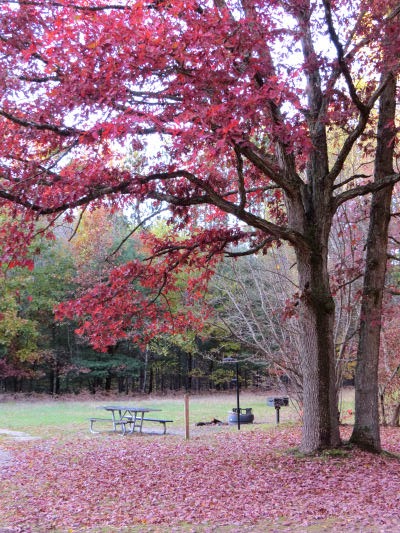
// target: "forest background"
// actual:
[[243, 307], [248, 312]]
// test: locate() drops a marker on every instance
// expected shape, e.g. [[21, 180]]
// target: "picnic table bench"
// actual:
[[159, 420], [115, 423]]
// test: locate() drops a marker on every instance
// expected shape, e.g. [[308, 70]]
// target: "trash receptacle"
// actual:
[[246, 416]]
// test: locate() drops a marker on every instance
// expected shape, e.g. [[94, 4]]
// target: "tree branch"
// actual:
[[250, 251], [362, 190], [270, 167], [65, 132], [78, 223], [355, 134], [352, 178], [241, 187], [41, 210], [78, 7], [213, 198], [364, 110], [141, 223]]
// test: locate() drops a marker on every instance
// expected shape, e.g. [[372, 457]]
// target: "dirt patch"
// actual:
[[6, 456], [17, 435]]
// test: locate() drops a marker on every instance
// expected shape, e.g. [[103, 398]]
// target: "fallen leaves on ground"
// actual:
[[226, 478]]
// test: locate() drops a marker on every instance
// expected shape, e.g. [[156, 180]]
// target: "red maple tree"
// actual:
[[241, 99]]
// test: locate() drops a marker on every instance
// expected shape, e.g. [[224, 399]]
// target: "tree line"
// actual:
[[40, 354]]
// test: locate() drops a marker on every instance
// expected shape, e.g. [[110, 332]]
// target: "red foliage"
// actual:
[[222, 86], [233, 478]]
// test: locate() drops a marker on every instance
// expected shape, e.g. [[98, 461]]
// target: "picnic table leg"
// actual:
[[113, 420], [132, 422], [141, 423], [119, 422]]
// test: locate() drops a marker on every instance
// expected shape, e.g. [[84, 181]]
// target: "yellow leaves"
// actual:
[[27, 355], [18, 335]]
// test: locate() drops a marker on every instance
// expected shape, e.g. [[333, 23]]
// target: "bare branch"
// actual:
[[213, 198], [364, 110], [349, 282], [250, 251], [141, 223], [78, 223], [33, 79], [352, 178], [362, 190], [355, 134]]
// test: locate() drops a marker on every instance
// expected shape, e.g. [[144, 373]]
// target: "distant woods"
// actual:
[[39, 353]]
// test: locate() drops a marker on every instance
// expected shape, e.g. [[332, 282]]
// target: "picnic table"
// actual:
[[127, 418]]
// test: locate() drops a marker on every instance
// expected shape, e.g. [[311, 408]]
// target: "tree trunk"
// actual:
[[395, 417], [145, 368], [383, 409], [311, 213], [366, 427], [320, 419], [151, 381]]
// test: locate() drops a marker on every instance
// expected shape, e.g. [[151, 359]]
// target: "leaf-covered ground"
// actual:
[[241, 479]]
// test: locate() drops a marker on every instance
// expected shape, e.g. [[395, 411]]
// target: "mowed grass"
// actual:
[[43, 416], [46, 416]]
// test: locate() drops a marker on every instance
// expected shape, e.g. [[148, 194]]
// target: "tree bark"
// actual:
[[312, 213], [395, 417], [366, 427], [320, 421]]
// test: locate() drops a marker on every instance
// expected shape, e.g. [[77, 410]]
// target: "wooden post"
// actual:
[[187, 416]]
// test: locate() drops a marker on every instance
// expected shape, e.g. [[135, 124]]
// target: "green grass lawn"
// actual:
[[43, 417], [46, 416]]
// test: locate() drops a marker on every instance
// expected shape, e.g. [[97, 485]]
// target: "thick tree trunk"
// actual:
[[311, 214], [366, 427], [321, 421]]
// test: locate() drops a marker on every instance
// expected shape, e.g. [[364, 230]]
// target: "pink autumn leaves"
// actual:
[[235, 478]]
